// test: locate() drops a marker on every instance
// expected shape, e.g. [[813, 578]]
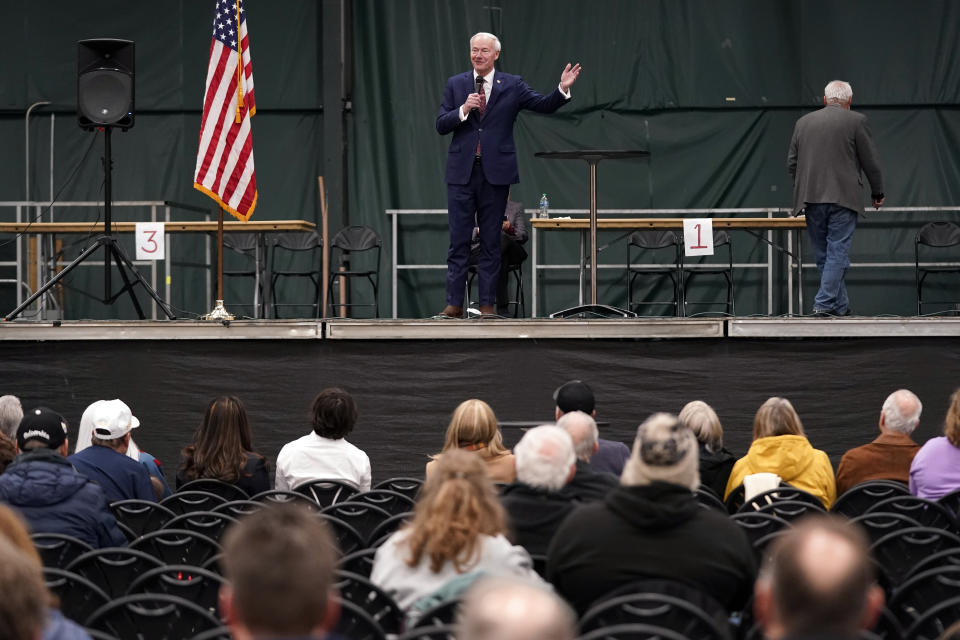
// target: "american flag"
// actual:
[[225, 156]]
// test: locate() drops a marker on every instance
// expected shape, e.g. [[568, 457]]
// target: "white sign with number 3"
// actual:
[[698, 237], [149, 239]]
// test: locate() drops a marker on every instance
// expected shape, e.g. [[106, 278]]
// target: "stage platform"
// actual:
[[408, 375], [485, 329]]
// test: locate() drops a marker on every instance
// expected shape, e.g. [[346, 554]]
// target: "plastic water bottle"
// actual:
[[544, 207]]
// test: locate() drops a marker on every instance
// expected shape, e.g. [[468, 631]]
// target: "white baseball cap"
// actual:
[[112, 419]]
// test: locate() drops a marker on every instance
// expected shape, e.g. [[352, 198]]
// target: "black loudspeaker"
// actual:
[[105, 74]]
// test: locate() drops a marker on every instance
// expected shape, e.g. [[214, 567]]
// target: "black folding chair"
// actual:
[[920, 592], [362, 516], [360, 591], [654, 244], [177, 546], [758, 524], [278, 496], [879, 524], [58, 549], [709, 499], [238, 508], [936, 620], [388, 527], [152, 616], [656, 609], [408, 486], [761, 501], [791, 510], [898, 552], [218, 487], [346, 250], [113, 568], [857, 499], [357, 624], [348, 539], [200, 586], [633, 631], [926, 512], [187, 501], [359, 562], [212, 524], [78, 596], [327, 491], [141, 516], [393, 502], [938, 242]]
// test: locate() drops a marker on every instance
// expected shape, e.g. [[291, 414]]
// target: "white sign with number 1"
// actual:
[[149, 239], [698, 237]]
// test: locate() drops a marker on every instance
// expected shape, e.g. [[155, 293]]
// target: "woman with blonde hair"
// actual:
[[474, 427], [935, 470], [780, 446], [458, 528], [715, 460]]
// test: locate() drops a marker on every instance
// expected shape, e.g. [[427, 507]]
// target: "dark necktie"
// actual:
[[481, 108]]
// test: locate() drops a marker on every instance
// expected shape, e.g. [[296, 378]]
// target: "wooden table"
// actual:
[[583, 226], [260, 227]]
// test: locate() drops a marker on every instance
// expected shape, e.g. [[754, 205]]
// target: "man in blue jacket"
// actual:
[[479, 108], [48, 492]]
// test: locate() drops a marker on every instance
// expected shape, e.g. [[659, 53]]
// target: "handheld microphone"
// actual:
[[479, 82]]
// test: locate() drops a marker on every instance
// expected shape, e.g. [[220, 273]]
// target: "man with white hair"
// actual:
[[829, 150], [11, 412], [510, 608], [479, 108], [587, 484], [889, 456], [544, 460]]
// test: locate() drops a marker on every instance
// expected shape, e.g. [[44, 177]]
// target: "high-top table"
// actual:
[[593, 157]]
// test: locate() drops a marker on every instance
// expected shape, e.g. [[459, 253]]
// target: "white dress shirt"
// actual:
[[314, 458]]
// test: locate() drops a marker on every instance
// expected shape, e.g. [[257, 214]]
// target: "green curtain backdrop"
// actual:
[[711, 88]]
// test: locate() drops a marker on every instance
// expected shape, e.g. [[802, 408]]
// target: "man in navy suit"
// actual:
[[482, 161]]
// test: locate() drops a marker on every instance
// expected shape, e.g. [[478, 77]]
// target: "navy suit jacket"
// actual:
[[494, 131]]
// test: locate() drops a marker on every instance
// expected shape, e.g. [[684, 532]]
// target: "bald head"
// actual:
[[901, 412], [505, 608], [583, 430], [818, 579]]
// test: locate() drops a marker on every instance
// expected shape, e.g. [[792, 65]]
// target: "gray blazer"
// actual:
[[829, 150]]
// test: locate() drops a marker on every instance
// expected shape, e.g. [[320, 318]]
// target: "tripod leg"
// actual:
[[122, 260], [118, 259], [57, 278]]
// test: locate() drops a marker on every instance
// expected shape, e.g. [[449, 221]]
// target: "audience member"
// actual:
[[457, 528], [935, 470], [222, 449], [889, 456], [279, 563], [586, 484], [23, 605], [575, 395], [535, 507], [48, 492], [508, 608], [55, 627], [154, 466], [325, 453], [474, 427], [106, 461], [818, 582], [781, 447], [715, 461], [11, 412], [652, 527]]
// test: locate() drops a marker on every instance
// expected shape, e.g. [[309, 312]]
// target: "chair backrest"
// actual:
[[898, 552], [857, 499], [278, 496], [152, 616], [791, 510], [197, 585], [177, 546], [920, 592], [939, 234], [392, 502], [58, 549], [218, 487], [241, 242], [357, 624], [359, 562], [360, 591], [141, 516], [212, 524], [952, 502], [356, 238], [709, 499], [78, 596], [762, 500], [654, 608], [296, 241], [654, 239], [407, 486], [926, 512], [238, 508], [113, 568], [936, 620], [187, 501], [634, 631], [388, 527], [348, 538], [879, 524], [757, 524], [327, 491], [362, 516]]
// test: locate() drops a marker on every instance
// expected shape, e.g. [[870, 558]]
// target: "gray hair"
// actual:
[[11, 412], [704, 422], [583, 430], [544, 456], [901, 411], [838, 92], [484, 34]]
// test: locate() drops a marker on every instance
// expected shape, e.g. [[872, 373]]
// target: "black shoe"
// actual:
[[825, 313]]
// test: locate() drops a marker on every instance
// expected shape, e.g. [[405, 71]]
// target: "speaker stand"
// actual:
[[113, 254]]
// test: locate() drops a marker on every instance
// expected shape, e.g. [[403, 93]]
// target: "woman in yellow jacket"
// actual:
[[781, 447]]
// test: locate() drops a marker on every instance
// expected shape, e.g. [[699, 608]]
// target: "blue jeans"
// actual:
[[831, 231]]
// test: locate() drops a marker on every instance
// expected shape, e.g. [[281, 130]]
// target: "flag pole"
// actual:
[[219, 312]]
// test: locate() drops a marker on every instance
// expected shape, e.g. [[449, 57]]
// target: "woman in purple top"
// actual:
[[935, 471]]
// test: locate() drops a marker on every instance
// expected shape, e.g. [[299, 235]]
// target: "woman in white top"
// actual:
[[458, 528]]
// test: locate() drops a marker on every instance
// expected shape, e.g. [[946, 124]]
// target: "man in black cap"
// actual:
[[48, 492], [577, 396]]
